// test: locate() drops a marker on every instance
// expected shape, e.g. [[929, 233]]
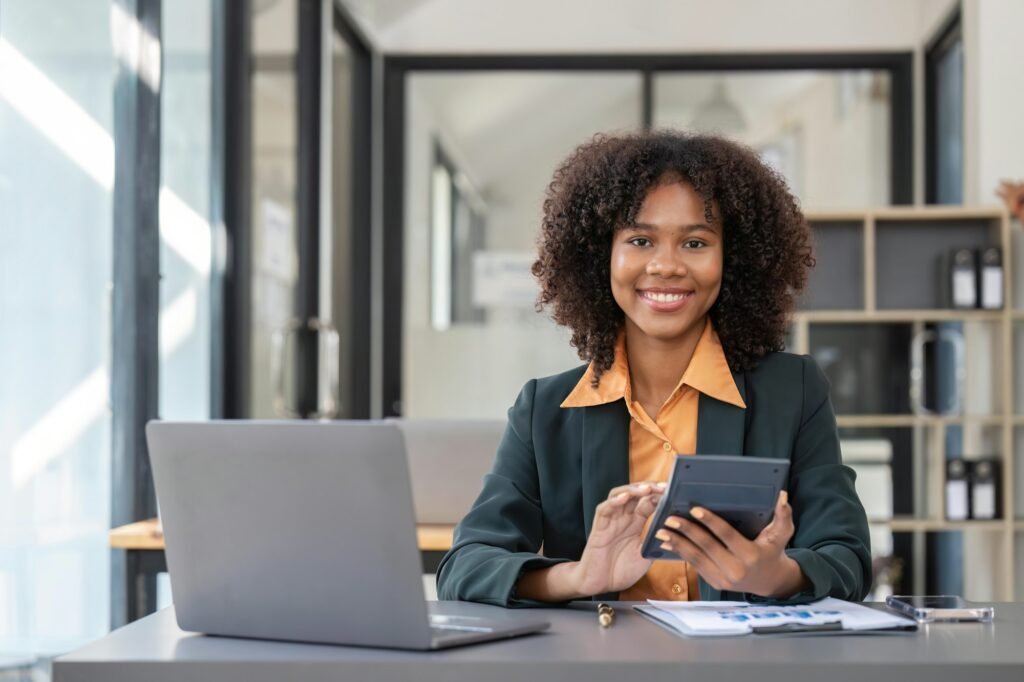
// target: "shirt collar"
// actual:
[[708, 372]]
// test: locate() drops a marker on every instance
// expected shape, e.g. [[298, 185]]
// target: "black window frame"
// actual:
[[359, 325], [949, 33], [135, 347]]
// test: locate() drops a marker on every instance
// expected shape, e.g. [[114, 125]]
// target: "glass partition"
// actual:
[[827, 132], [56, 178]]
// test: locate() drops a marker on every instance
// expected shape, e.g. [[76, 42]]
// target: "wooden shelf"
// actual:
[[926, 213], [911, 213], [907, 524], [148, 535], [826, 215], [879, 267], [434, 538], [909, 316], [141, 535], [908, 420]]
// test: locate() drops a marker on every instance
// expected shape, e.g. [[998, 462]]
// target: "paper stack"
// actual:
[[724, 618]]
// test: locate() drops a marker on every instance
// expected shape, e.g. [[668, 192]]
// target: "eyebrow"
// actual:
[[694, 227]]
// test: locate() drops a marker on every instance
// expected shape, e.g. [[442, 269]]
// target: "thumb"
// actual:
[[781, 527]]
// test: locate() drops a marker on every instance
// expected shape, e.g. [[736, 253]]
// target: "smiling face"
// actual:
[[666, 268]]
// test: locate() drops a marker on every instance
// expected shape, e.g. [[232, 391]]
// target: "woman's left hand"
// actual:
[[728, 561]]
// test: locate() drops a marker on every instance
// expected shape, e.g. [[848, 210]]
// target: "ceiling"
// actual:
[[643, 26]]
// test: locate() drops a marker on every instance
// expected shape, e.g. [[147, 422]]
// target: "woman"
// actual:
[[675, 260]]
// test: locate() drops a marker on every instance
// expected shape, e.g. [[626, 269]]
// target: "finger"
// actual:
[[647, 505], [628, 488], [722, 529], [646, 485], [640, 487], [610, 514], [711, 546], [720, 575], [688, 551], [614, 505], [781, 529], [630, 506], [619, 500], [619, 506], [781, 504], [602, 516], [607, 512]]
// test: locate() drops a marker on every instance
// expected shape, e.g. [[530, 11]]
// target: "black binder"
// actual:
[[958, 490], [990, 278], [963, 279], [985, 489]]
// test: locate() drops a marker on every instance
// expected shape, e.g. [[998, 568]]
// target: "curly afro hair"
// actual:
[[600, 187]]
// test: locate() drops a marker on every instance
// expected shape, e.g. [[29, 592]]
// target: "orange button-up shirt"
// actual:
[[654, 443]]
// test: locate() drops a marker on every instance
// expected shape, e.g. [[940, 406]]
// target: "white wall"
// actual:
[[931, 16], [582, 26], [993, 95]]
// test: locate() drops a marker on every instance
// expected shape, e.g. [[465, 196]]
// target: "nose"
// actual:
[[663, 264]]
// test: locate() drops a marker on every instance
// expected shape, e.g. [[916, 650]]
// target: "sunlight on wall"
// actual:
[[84, 141]]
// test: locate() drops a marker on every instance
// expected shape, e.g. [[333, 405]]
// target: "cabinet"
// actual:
[[916, 381]]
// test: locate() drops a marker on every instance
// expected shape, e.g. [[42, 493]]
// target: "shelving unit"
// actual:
[[878, 271], [905, 524]]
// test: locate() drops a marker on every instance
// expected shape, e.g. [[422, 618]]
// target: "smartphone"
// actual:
[[939, 608]]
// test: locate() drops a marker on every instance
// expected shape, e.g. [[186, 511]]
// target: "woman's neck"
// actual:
[[655, 365]]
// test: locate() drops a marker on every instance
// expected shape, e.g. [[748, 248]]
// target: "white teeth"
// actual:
[[663, 298]]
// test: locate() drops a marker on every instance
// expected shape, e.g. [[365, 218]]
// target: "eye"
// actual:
[[694, 244], [639, 241]]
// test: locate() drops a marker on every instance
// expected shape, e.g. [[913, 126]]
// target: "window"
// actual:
[[944, 115], [56, 178]]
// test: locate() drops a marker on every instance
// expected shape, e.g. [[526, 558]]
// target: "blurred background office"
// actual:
[[327, 209]]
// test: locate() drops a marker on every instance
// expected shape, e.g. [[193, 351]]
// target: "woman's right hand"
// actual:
[[611, 560]]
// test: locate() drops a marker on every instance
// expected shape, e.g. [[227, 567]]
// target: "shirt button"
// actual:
[[667, 446], [677, 588]]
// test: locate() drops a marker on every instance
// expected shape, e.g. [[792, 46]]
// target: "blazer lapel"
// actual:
[[605, 443], [720, 426]]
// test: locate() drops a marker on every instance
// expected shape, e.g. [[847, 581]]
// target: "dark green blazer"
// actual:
[[554, 466]]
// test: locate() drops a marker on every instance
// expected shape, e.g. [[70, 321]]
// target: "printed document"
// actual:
[[723, 618]]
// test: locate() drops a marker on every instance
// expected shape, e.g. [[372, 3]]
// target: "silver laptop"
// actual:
[[448, 459], [300, 531]]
